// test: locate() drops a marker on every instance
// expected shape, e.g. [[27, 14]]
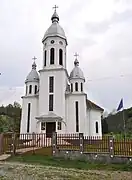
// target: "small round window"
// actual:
[[52, 42], [61, 42]]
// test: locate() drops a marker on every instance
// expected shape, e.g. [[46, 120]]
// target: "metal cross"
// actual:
[[34, 58], [76, 55], [55, 7]]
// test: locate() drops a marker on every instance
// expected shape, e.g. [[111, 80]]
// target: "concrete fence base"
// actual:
[[93, 157]]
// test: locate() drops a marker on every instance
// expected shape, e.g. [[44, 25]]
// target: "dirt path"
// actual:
[[15, 170]]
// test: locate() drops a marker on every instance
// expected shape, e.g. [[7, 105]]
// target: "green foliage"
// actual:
[[129, 126], [10, 116], [104, 126], [115, 123]]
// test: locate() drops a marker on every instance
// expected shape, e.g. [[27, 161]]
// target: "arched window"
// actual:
[[52, 55], [45, 57], [30, 89], [77, 116], [35, 90], [71, 87], [97, 127], [81, 86], [76, 86], [60, 56], [28, 117]]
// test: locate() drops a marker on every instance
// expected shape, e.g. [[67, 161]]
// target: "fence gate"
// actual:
[[34, 143]]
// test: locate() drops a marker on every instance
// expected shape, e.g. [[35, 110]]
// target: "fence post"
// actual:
[[81, 142], [111, 145], [34, 139], [14, 143], [1, 143], [54, 142]]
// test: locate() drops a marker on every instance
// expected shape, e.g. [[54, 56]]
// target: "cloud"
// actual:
[[105, 25]]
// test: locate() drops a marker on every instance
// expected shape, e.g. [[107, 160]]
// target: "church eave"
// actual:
[[34, 80], [76, 78], [54, 35], [92, 105]]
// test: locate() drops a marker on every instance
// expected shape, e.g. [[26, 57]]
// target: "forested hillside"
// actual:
[[10, 116], [115, 123]]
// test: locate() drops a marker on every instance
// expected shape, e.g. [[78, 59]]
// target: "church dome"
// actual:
[[77, 72], [33, 75], [55, 29]]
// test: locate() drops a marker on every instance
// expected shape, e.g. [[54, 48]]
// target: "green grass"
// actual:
[[59, 162]]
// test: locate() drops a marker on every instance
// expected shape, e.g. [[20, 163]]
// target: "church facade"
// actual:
[[55, 101]]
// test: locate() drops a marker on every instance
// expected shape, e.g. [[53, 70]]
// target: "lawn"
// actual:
[[38, 167], [12, 171], [60, 162]]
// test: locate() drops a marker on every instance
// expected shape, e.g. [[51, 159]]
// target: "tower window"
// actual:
[[61, 42], [28, 117], [60, 57], [51, 102], [51, 84], [52, 55], [30, 89], [26, 90], [77, 118], [52, 41], [76, 86], [35, 90], [71, 87], [97, 127], [59, 126], [81, 86], [45, 57]]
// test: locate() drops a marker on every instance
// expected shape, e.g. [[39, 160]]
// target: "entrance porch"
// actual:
[[49, 124]]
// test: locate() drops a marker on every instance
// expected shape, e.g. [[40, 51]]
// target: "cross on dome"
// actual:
[[55, 7], [76, 62], [34, 64], [55, 17], [34, 58], [76, 55]]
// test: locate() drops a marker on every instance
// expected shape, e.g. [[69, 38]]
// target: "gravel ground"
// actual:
[[17, 171]]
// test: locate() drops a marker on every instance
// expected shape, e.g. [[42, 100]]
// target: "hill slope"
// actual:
[[115, 123]]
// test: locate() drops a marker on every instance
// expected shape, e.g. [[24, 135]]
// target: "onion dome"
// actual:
[[33, 75], [76, 73], [55, 29]]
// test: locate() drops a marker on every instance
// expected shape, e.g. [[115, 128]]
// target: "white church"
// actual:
[[55, 101]]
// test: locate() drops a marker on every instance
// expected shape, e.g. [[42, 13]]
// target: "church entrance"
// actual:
[[50, 128]]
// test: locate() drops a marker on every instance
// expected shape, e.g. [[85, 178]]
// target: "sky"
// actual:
[[100, 31]]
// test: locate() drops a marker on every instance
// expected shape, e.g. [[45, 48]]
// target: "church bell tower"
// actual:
[[53, 75], [54, 44]]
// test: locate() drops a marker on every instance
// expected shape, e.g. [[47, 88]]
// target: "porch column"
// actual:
[[56, 123]]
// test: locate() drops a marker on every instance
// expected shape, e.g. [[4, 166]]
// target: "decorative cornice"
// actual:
[[54, 68], [75, 94], [49, 36], [31, 96]]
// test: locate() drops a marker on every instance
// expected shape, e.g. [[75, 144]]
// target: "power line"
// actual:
[[109, 77]]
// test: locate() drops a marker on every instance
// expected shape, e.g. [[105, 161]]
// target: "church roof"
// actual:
[[55, 29], [33, 75], [77, 72], [92, 105]]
